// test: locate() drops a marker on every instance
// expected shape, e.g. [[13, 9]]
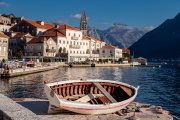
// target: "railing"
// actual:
[[50, 50], [74, 38], [74, 46]]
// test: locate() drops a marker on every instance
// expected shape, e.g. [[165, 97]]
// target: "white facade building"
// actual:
[[78, 46], [110, 52]]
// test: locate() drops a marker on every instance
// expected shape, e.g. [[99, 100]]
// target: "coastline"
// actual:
[[36, 109]]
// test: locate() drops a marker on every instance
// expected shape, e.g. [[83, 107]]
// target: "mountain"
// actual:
[[163, 42], [119, 35], [59, 22]]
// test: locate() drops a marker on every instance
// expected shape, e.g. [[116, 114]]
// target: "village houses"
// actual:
[[40, 39]]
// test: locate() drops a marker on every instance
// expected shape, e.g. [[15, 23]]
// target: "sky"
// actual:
[[100, 13]]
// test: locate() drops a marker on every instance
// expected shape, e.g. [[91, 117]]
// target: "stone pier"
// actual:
[[36, 109]]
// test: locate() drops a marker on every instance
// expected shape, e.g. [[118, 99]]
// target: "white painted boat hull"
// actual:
[[86, 108]]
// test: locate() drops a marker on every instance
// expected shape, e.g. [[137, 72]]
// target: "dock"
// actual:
[[29, 70], [100, 65], [36, 109]]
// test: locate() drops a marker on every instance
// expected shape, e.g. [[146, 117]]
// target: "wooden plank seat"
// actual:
[[106, 94]]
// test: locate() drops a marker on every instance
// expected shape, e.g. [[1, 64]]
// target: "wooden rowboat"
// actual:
[[89, 96]]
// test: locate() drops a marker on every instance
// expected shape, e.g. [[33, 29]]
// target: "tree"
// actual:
[[87, 52], [19, 55], [60, 50], [64, 50]]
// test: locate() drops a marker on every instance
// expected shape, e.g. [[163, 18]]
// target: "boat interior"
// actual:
[[93, 93]]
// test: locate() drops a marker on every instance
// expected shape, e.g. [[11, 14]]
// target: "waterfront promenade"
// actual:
[[36, 109]]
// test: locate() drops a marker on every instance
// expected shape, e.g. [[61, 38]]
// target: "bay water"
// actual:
[[158, 86]]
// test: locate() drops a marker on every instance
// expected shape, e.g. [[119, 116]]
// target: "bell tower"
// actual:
[[83, 23]]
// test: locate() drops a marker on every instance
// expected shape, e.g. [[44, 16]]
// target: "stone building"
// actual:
[[71, 41], [7, 21], [110, 52], [17, 41], [35, 28], [3, 46], [83, 24], [42, 46]]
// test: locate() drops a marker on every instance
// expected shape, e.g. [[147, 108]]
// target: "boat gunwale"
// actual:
[[76, 104]]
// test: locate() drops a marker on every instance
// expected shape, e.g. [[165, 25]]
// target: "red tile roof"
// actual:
[[95, 39], [37, 40], [85, 37], [125, 50], [54, 34], [110, 47], [38, 25], [65, 26], [19, 35], [3, 35]]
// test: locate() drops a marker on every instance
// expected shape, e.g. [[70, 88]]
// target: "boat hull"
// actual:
[[86, 108]]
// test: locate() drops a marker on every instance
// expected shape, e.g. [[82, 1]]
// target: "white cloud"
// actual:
[[76, 16], [4, 4]]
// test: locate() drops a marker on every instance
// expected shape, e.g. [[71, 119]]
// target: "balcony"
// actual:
[[74, 46], [51, 50], [74, 38]]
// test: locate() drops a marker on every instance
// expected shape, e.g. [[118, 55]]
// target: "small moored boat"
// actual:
[[89, 96]]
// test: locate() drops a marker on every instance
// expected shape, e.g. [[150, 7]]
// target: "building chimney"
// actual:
[[56, 26], [42, 23]]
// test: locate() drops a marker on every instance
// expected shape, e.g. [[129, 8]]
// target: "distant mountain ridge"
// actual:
[[119, 35], [162, 42]]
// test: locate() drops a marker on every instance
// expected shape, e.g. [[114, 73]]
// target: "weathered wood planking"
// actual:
[[105, 92], [86, 98], [127, 90]]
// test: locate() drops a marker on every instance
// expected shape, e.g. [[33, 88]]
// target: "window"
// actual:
[[80, 43], [74, 34], [39, 47], [103, 51], [67, 42], [83, 43], [52, 47], [77, 43], [50, 42], [31, 47], [63, 42], [70, 51], [25, 54], [59, 41], [74, 43], [80, 52], [39, 53], [79, 35], [71, 42], [86, 44], [110, 51], [77, 52], [69, 34], [74, 51]]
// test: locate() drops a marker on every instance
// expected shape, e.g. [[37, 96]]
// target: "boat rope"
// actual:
[[174, 116]]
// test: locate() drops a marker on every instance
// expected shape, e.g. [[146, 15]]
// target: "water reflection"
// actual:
[[158, 86]]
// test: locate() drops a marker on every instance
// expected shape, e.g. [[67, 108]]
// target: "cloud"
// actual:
[[104, 23], [76, 16], [4, 4]]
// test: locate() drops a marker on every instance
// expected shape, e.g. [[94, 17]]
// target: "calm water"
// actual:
[[158, 86]]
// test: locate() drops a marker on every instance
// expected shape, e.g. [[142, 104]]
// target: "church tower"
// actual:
[[83, 23]]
